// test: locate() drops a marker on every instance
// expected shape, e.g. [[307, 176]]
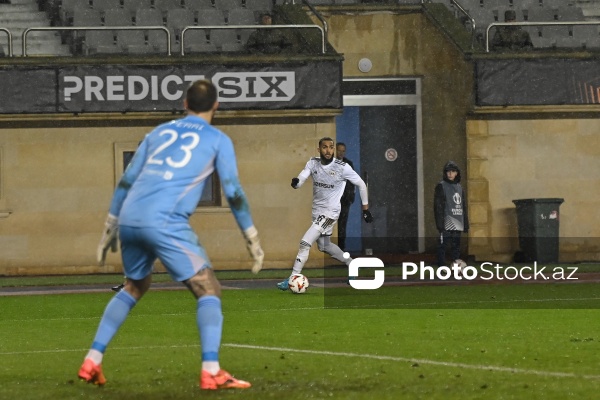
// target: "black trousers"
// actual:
[[342, 222], [452, 239]]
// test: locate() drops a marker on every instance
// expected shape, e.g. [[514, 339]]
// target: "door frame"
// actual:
[[399, 99]]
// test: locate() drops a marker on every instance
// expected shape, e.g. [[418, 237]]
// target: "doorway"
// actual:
[[381, 127]]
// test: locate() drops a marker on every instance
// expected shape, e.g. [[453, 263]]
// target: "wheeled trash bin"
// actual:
[[538, 221]]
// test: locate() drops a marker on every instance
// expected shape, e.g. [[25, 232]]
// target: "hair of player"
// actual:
[[325, 139], [340, 144], [201, 96]]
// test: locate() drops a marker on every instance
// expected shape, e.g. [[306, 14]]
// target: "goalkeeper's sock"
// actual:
[[95, 356], [115, 314], [212, 367], [210, 324]]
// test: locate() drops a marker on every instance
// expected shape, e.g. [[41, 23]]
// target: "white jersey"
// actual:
[[329, 182]]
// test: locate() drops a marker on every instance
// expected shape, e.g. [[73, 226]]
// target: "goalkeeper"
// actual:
[[329, 177], [150, 212]]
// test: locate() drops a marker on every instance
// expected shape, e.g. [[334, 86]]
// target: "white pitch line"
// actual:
[[334, 354], [419, 361]]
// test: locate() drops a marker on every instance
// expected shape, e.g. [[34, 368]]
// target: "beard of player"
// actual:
[[325, 161]]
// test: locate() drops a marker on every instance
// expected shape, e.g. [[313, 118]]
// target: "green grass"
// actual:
[[293, 347], [333, 271]]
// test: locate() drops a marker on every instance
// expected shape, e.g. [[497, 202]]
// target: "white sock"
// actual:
[[211, 366], [95, 356]]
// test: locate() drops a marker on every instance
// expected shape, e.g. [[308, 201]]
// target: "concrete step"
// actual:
[[8, 9], [41, 48], [24, 19]]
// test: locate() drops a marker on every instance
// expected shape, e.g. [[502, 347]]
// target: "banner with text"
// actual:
[[129, 88]]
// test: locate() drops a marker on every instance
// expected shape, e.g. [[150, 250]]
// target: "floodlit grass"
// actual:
[[293, 347], [331, 271]]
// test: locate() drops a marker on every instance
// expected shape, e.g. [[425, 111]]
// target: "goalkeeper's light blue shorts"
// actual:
[[177, 248]]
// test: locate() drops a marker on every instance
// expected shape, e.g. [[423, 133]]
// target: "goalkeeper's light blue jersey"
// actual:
[[164, 181]]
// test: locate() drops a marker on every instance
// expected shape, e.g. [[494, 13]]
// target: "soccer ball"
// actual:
[[298, 283]]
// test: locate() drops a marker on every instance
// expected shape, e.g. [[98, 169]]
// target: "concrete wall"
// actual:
[[533, 158], [57, 184]]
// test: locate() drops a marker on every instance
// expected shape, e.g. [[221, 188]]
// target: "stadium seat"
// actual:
[[149, 17], [198, 4], [219, 37], [116, 17], [158, 42], [177, 19], [241, 16], [244, 34], [556, 3], [569, 13], [553, 33], [540, 14], [152, 17], [536, 37], [165, 5], [86, 17], [587, 35], [196, 41], [103, 5], [200, 48], [133, 42], [568, 42], [259, 5], [225, 5], [133, 5], [210, 16], [100, 42], [67, 10]]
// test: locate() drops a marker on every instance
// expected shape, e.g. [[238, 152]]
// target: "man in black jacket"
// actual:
[[347, 198], [450, 208]]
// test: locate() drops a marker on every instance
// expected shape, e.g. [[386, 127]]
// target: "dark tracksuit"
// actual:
[[451, 216]]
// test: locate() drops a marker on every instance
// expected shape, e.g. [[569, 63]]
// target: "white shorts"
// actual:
[[324, 224]]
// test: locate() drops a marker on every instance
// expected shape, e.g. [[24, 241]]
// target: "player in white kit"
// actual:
[[329, 177]]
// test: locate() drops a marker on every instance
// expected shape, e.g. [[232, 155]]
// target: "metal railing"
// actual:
[[569, 23], [9, 37], [96, 28], [471, 20], [211, 27], [320, 18]]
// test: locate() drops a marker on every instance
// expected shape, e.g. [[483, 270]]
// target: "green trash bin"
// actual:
[[538, 221]]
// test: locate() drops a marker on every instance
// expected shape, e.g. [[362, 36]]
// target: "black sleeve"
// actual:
[[466, 211], [439, 206]]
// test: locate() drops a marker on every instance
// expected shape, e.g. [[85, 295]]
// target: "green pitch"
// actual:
[[293, 347]]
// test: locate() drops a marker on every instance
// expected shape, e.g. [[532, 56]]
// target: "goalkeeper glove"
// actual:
[[253, 246], [109, 238], [367, 216], [295, 182]]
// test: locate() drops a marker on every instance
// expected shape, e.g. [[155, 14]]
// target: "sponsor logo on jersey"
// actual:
[[324, 185]]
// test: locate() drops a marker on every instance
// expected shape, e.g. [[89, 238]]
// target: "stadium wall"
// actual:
[[57, 172], [533, 157], [58, 177]]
